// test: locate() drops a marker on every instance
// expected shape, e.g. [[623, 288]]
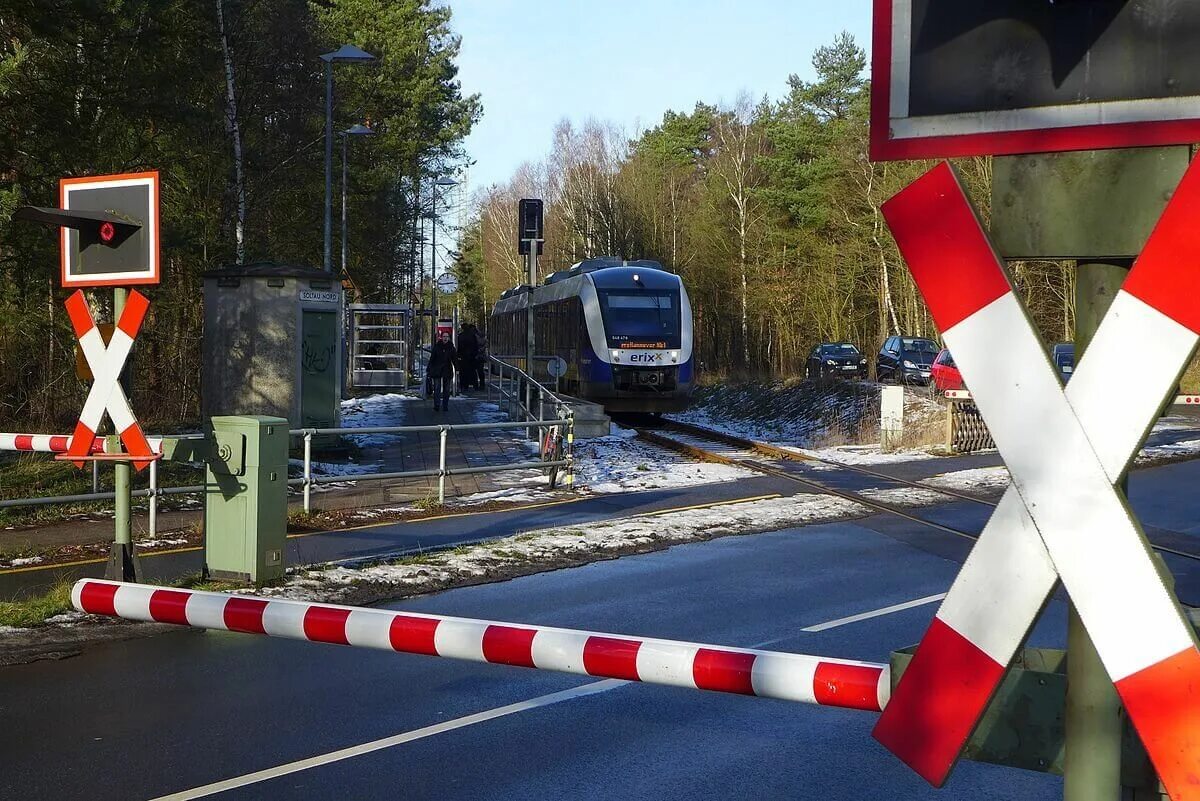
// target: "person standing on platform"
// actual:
[[441, 371], [481, 360], [468, 353]]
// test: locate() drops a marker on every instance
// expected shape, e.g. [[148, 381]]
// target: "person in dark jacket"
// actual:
[[468, 353], [481, 362], [440, 371]]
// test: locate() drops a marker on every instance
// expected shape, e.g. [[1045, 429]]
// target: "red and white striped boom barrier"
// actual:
[[43, 443], [57, 443], [765, 674]]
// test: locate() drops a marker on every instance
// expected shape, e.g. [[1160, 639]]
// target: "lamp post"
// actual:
[[348, 54], [442, 181], [354, 130]]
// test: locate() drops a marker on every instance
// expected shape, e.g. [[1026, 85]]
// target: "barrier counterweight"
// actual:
[[766, 674]]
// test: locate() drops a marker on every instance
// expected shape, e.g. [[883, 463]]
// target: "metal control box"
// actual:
[[245, 510]]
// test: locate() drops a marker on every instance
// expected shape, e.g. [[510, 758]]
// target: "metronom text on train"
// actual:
[[624, 328]]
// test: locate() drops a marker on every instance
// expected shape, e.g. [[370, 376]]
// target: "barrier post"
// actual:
[[153, 526], [570, 448], [307, 472], [442, 466]]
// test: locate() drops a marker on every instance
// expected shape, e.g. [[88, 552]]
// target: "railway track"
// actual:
[[717, 446]]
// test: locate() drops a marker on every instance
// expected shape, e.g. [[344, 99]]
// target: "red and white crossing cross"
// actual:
[[106, 363], [1062, 518]]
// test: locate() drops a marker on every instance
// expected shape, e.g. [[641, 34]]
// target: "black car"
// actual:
[[906, 360], [836, 359], [1063, 356]]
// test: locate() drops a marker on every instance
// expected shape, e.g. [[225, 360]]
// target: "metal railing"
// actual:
[[308, 480], [57, 444], [513, 383]]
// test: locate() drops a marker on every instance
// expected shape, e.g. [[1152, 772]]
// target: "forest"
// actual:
[[769, 210], [226, 99]]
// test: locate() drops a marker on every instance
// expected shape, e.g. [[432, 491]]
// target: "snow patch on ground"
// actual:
[[489, 413], [861, 454], [161, 542], [510, 495], [975, 479], [376, 411], [566, 544], [21, 561], [1174, 450], [904, 496], [336, 468]]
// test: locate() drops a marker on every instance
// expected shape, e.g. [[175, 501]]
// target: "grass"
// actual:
[[30, 475], [37, 609]]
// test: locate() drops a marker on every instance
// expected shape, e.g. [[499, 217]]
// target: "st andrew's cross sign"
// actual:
[[1063, 518]]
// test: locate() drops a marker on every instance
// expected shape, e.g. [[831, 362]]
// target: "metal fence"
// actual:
[[510, 376]]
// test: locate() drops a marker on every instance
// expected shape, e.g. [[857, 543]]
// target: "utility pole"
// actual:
[[529, 243]]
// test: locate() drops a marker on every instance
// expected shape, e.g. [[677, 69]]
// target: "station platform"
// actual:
[[378, 453]]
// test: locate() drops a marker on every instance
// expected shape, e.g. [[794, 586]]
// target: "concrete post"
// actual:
[[891, 422], [1092, 762]]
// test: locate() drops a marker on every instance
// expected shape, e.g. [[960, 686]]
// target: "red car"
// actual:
[[944, 372]]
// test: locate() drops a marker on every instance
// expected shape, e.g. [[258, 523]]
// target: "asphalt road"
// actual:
[[170, 714], [149, 718]]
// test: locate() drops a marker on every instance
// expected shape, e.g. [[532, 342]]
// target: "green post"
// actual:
[[1092, 763], [123, 563]]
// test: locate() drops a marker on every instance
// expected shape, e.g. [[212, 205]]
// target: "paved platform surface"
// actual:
[[420, 451]]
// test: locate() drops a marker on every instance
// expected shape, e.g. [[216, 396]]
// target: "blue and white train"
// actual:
[[624, 328]]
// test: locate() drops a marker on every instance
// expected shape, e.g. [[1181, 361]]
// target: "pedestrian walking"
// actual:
[[440, 371]]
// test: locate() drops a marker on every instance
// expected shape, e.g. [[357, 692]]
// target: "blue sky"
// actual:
[[626, 61]]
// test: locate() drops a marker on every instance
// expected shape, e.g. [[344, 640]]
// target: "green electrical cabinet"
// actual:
[[245, 511]]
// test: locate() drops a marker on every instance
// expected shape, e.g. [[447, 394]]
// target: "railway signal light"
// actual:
[[529, 225]]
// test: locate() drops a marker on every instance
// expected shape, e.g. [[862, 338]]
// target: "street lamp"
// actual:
[[442, 181], [348, 54], [353, 130]]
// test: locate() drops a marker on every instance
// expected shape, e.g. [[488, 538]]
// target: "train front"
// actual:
[[640, 333]]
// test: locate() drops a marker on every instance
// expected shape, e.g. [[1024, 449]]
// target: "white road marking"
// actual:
[[887, 610], [592, 688]]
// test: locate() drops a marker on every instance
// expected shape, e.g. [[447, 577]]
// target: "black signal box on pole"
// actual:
[[529, 225]]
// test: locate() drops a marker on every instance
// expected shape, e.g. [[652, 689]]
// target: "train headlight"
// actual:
[[674, 355], [616, 355]]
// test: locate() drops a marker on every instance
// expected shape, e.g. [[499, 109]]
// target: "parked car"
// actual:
[[1063, 356], [836, 359], [906, 360], [945, 373]]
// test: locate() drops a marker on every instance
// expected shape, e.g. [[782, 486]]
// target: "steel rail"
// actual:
[[782, 453]]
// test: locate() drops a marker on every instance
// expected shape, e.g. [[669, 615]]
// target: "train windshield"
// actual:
[[648, 319]]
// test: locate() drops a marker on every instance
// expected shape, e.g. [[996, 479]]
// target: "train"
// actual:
[[624, 329]]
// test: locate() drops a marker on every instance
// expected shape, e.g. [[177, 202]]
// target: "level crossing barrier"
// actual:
[[801, 678]]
